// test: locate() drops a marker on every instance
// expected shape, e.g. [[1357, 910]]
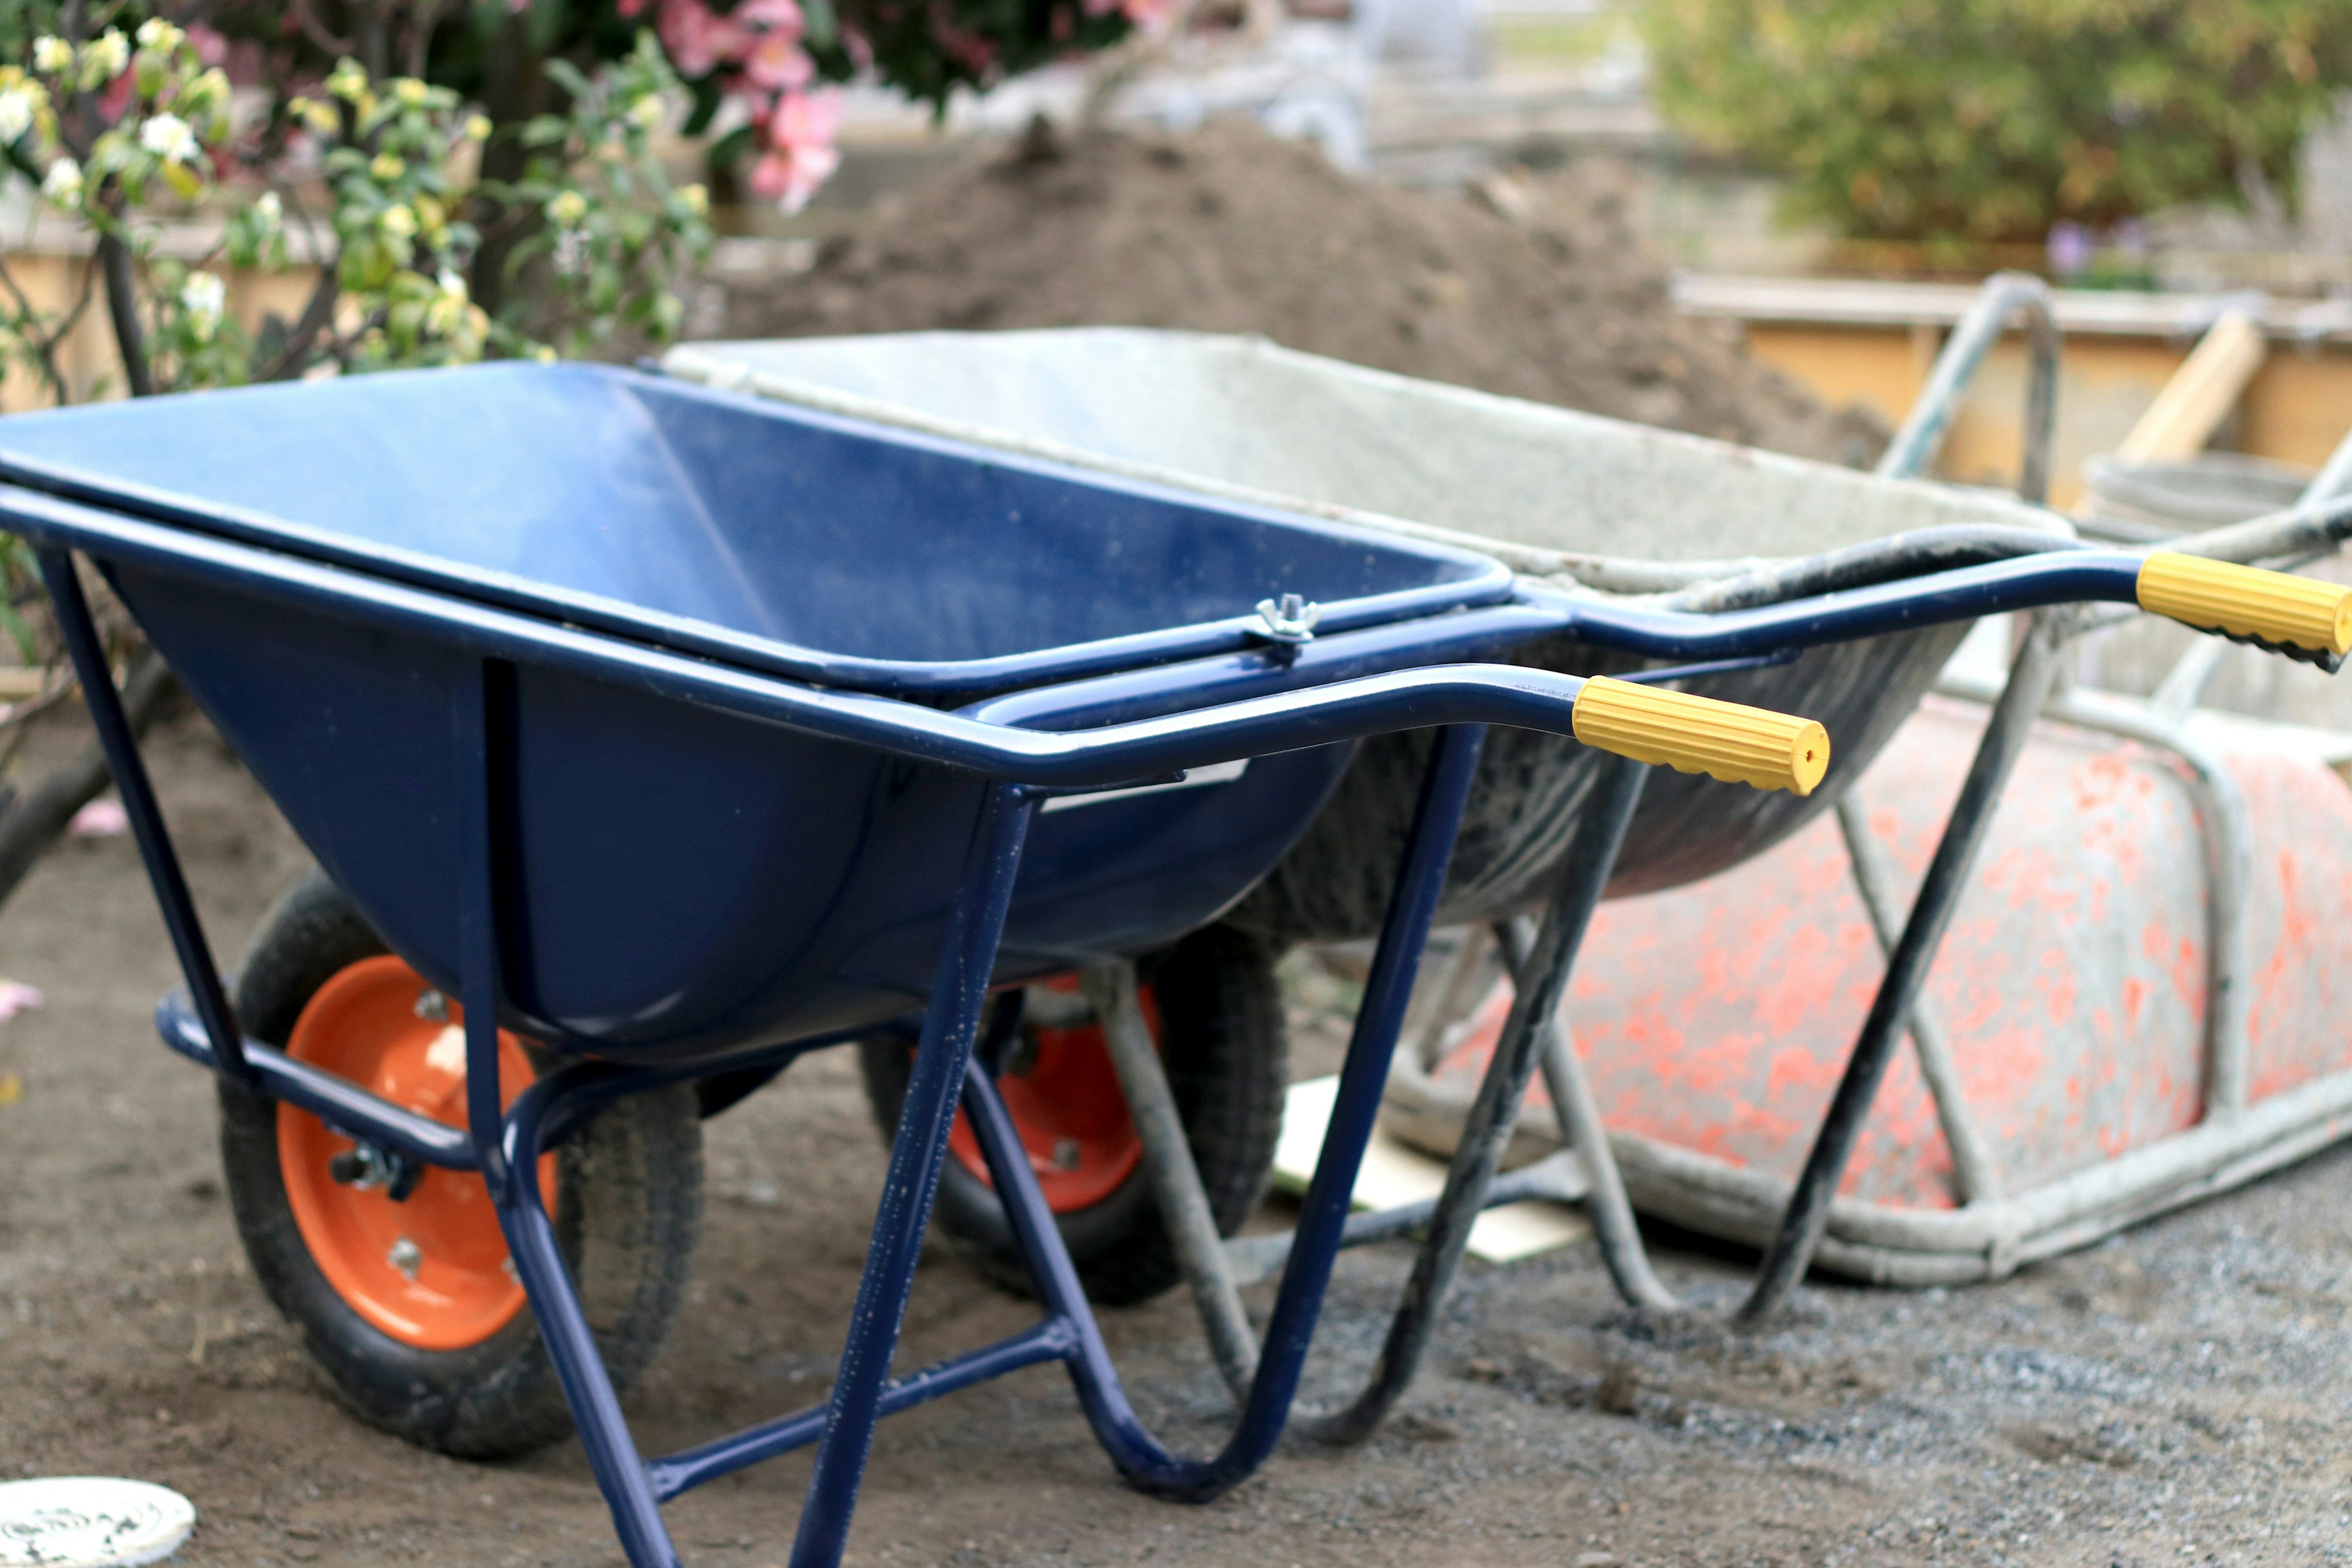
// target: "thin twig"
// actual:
[[318, 313], [316, 30], [420, 37], [44, 344]]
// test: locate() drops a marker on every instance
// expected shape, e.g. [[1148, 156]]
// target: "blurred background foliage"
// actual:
[[1975, 123]]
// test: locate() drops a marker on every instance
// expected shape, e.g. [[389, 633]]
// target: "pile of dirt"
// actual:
[[1230, 231]]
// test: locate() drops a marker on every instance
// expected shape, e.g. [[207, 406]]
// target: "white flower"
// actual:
[[157, 34], [17, 109], [649, 111], [168, 137], [203, 297], [446, 314], [566, 208], [398, 221], [269, 209], [62, 184], [52, 56], [106, 57]]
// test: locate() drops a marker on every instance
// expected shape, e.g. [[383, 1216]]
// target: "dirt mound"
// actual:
[[1230, 231]]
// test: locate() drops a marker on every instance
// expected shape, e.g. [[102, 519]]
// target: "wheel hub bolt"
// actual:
[[405, 1257], [1067, 1156]]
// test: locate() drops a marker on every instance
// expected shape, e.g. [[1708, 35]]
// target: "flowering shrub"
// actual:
[[1981, 122]]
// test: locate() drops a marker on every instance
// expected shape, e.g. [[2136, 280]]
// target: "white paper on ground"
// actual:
[[1395, 1173]]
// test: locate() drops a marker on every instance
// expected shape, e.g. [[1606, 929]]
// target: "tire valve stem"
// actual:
[[405, 1257], [1066, 1155]]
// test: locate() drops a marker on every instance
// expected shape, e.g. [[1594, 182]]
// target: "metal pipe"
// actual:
[[1907, 969], [2003, 296], [1585, 1137], [1148, 1464], [1345, 710], [1591, 857], [2229, 841], [339, 1102], [1175, 1179], [1974, 1170], [674, 1474], [186, 928], [959, 996]]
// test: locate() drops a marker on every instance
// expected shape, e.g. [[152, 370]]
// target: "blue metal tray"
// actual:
[[851, 555]]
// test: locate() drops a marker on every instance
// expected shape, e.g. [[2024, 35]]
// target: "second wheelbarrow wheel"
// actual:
[[411, 1304], [1216, 1013]]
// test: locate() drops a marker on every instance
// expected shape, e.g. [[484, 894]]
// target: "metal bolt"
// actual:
[[1065, 1155], [432, 1006], [1290, 619], [405, 1257]]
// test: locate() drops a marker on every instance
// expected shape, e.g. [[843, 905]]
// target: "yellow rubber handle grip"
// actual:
[[2245, 601], [1727, 740]]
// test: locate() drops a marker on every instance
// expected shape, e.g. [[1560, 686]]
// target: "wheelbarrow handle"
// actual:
[[2248, 601], [1348, 709], [1693, 734]]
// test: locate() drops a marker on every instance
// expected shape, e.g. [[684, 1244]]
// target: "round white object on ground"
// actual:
[[90, 1521]]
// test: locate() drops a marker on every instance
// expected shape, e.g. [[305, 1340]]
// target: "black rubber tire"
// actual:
[[1226, 1051], [628, 1213]]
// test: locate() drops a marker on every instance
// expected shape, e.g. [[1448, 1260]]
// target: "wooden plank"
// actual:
[[1394, 1174], [17, 682]]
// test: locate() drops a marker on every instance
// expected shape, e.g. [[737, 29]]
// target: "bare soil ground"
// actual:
[[2179, 1395]]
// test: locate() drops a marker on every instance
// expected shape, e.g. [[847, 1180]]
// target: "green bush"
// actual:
[[1987, 121]]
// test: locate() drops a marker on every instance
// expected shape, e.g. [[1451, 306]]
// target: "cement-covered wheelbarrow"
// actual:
[[1590, 507], [647, 735]]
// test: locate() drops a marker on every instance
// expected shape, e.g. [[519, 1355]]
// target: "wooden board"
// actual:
[[1394, 1174]]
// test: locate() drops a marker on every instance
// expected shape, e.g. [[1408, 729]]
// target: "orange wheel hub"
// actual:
[[1071, 1114], [432, 1270]]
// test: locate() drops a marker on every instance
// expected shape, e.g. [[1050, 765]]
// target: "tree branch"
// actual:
[[44, 343], [122, 310], [318, 313], [31, 822]]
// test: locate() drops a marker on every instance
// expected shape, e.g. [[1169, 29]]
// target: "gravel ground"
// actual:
[[2174, 1396]]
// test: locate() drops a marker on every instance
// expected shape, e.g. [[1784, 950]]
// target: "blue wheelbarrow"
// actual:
[[647, 735]]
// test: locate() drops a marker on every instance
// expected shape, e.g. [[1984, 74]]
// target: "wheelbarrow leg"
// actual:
[[1591, 860], [1586, 1137], [171, 884], [1176, 1183], [1808, 1214], [1147, 1465], [1175, 1179], [959, 995]]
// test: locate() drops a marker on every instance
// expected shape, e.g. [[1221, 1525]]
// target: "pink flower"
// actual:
[[801, 155], [697, 39], [1150, 15], [806, 121], [211, 46], [99, 820], [631, 8], [16, 998], [777, 63]]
